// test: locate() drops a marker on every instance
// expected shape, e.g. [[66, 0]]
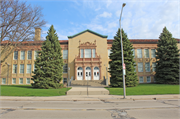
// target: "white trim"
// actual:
[[3, 81]]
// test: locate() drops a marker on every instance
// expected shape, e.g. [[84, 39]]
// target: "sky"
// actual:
[[141, 19]]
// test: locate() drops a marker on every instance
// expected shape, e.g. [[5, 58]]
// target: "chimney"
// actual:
[[37, 36]]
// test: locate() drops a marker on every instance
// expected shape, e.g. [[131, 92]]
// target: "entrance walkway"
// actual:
[[83, 90]]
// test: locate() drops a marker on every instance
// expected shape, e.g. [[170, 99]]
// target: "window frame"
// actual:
[[14, 71], [3, 81], [36, 54], [29, 55], [27, 80], [140, 67], [149, 69], [15, 57], [153, 67], [20, 81], [65, 68], [28, 69], [20, 69], [82, 53], [139, 53], [65, 56], [13, 81], [22, 57], [145, 53], [64, 81], [153, 55], [93, 53], [142, 79], [147, 79], [87, 53]]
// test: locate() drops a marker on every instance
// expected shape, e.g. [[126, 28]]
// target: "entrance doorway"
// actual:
[[96, 73], [88, 73], [80, 73]]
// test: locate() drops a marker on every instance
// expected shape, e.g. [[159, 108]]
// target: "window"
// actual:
[[154, 66], [3, 80], [22, 57], [65, 54], [153, 55], [109, 52], [134, 67], [139, 53], [28, 69], [13, 80], [87, 53], [140, 67], [148, 79], [94, 53], [133, 52], [65, 68], [146, 53], [15, 55], [82, 53], [20, 80], [64, 80], [14, 68], [141, 80], [22, 68], [147, 66], [28, 81], [35, 54], [29, 55]]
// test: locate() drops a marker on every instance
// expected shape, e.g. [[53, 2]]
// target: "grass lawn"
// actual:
[[146, 89], [28, 90]]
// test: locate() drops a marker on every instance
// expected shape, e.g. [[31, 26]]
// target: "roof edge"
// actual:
[[103, 36]]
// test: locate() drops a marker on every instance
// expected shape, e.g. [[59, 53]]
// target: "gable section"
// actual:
[[103, 36]]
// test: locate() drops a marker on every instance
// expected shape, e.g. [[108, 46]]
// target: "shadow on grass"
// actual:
[[20, 86]]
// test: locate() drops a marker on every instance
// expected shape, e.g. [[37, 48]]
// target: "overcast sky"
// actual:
[[141, 19]]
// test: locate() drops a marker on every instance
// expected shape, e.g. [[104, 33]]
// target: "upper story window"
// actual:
[[109, 52], [139, 53], [82, 53], [140, 67], [65, 68], [133, 52], [154, 66], [28, 71], [35, 54], [87, 53], [22, 57], [147, 66], [146, 53], [22, 68], [94, 53], [153, 55], [14, 68], [15, 55], [29, 55], [65, 54]]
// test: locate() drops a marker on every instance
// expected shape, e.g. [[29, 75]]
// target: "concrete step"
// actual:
[[82, 90], [90, 83]]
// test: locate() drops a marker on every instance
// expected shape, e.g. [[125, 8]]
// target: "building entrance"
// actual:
[[88, 73], [80, 73], [96, 73]]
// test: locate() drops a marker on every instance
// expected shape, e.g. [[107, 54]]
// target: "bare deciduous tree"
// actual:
[[17, 23]]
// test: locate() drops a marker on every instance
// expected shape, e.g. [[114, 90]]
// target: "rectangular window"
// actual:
[[65, 68], [148, 79], [35, 54], [13, 80], [20, 80], [153, 55], [133, 52], [27, 80], [3, 80], [139, 53], [140, 67], [29, 55], [94, 53], [141, 80], [65, 54], [82, 53], [15, 55], [146, 53], [22, 57], [28, 71], [64, 80], [147, 66], [154, 66], [22, 68], [109, 52], [87, 53], [15, 68]]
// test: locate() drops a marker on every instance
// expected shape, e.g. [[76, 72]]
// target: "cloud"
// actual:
[[47, 25], [105, 14]]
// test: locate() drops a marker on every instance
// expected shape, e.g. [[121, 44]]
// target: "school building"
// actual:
[[85, 55]]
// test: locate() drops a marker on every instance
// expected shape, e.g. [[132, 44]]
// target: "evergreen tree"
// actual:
[[167, 59], [49, 64], [116, 62]]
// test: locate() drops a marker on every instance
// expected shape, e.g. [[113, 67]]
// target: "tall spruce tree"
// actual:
[[167, 59], [49, 64], [116, 62]]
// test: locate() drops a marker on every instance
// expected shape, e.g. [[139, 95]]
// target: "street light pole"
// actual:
[[124, 88]]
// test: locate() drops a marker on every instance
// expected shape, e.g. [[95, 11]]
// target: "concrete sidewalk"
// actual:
[[107, 98]]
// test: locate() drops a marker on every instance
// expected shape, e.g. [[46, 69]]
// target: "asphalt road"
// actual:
[[139, 109]]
